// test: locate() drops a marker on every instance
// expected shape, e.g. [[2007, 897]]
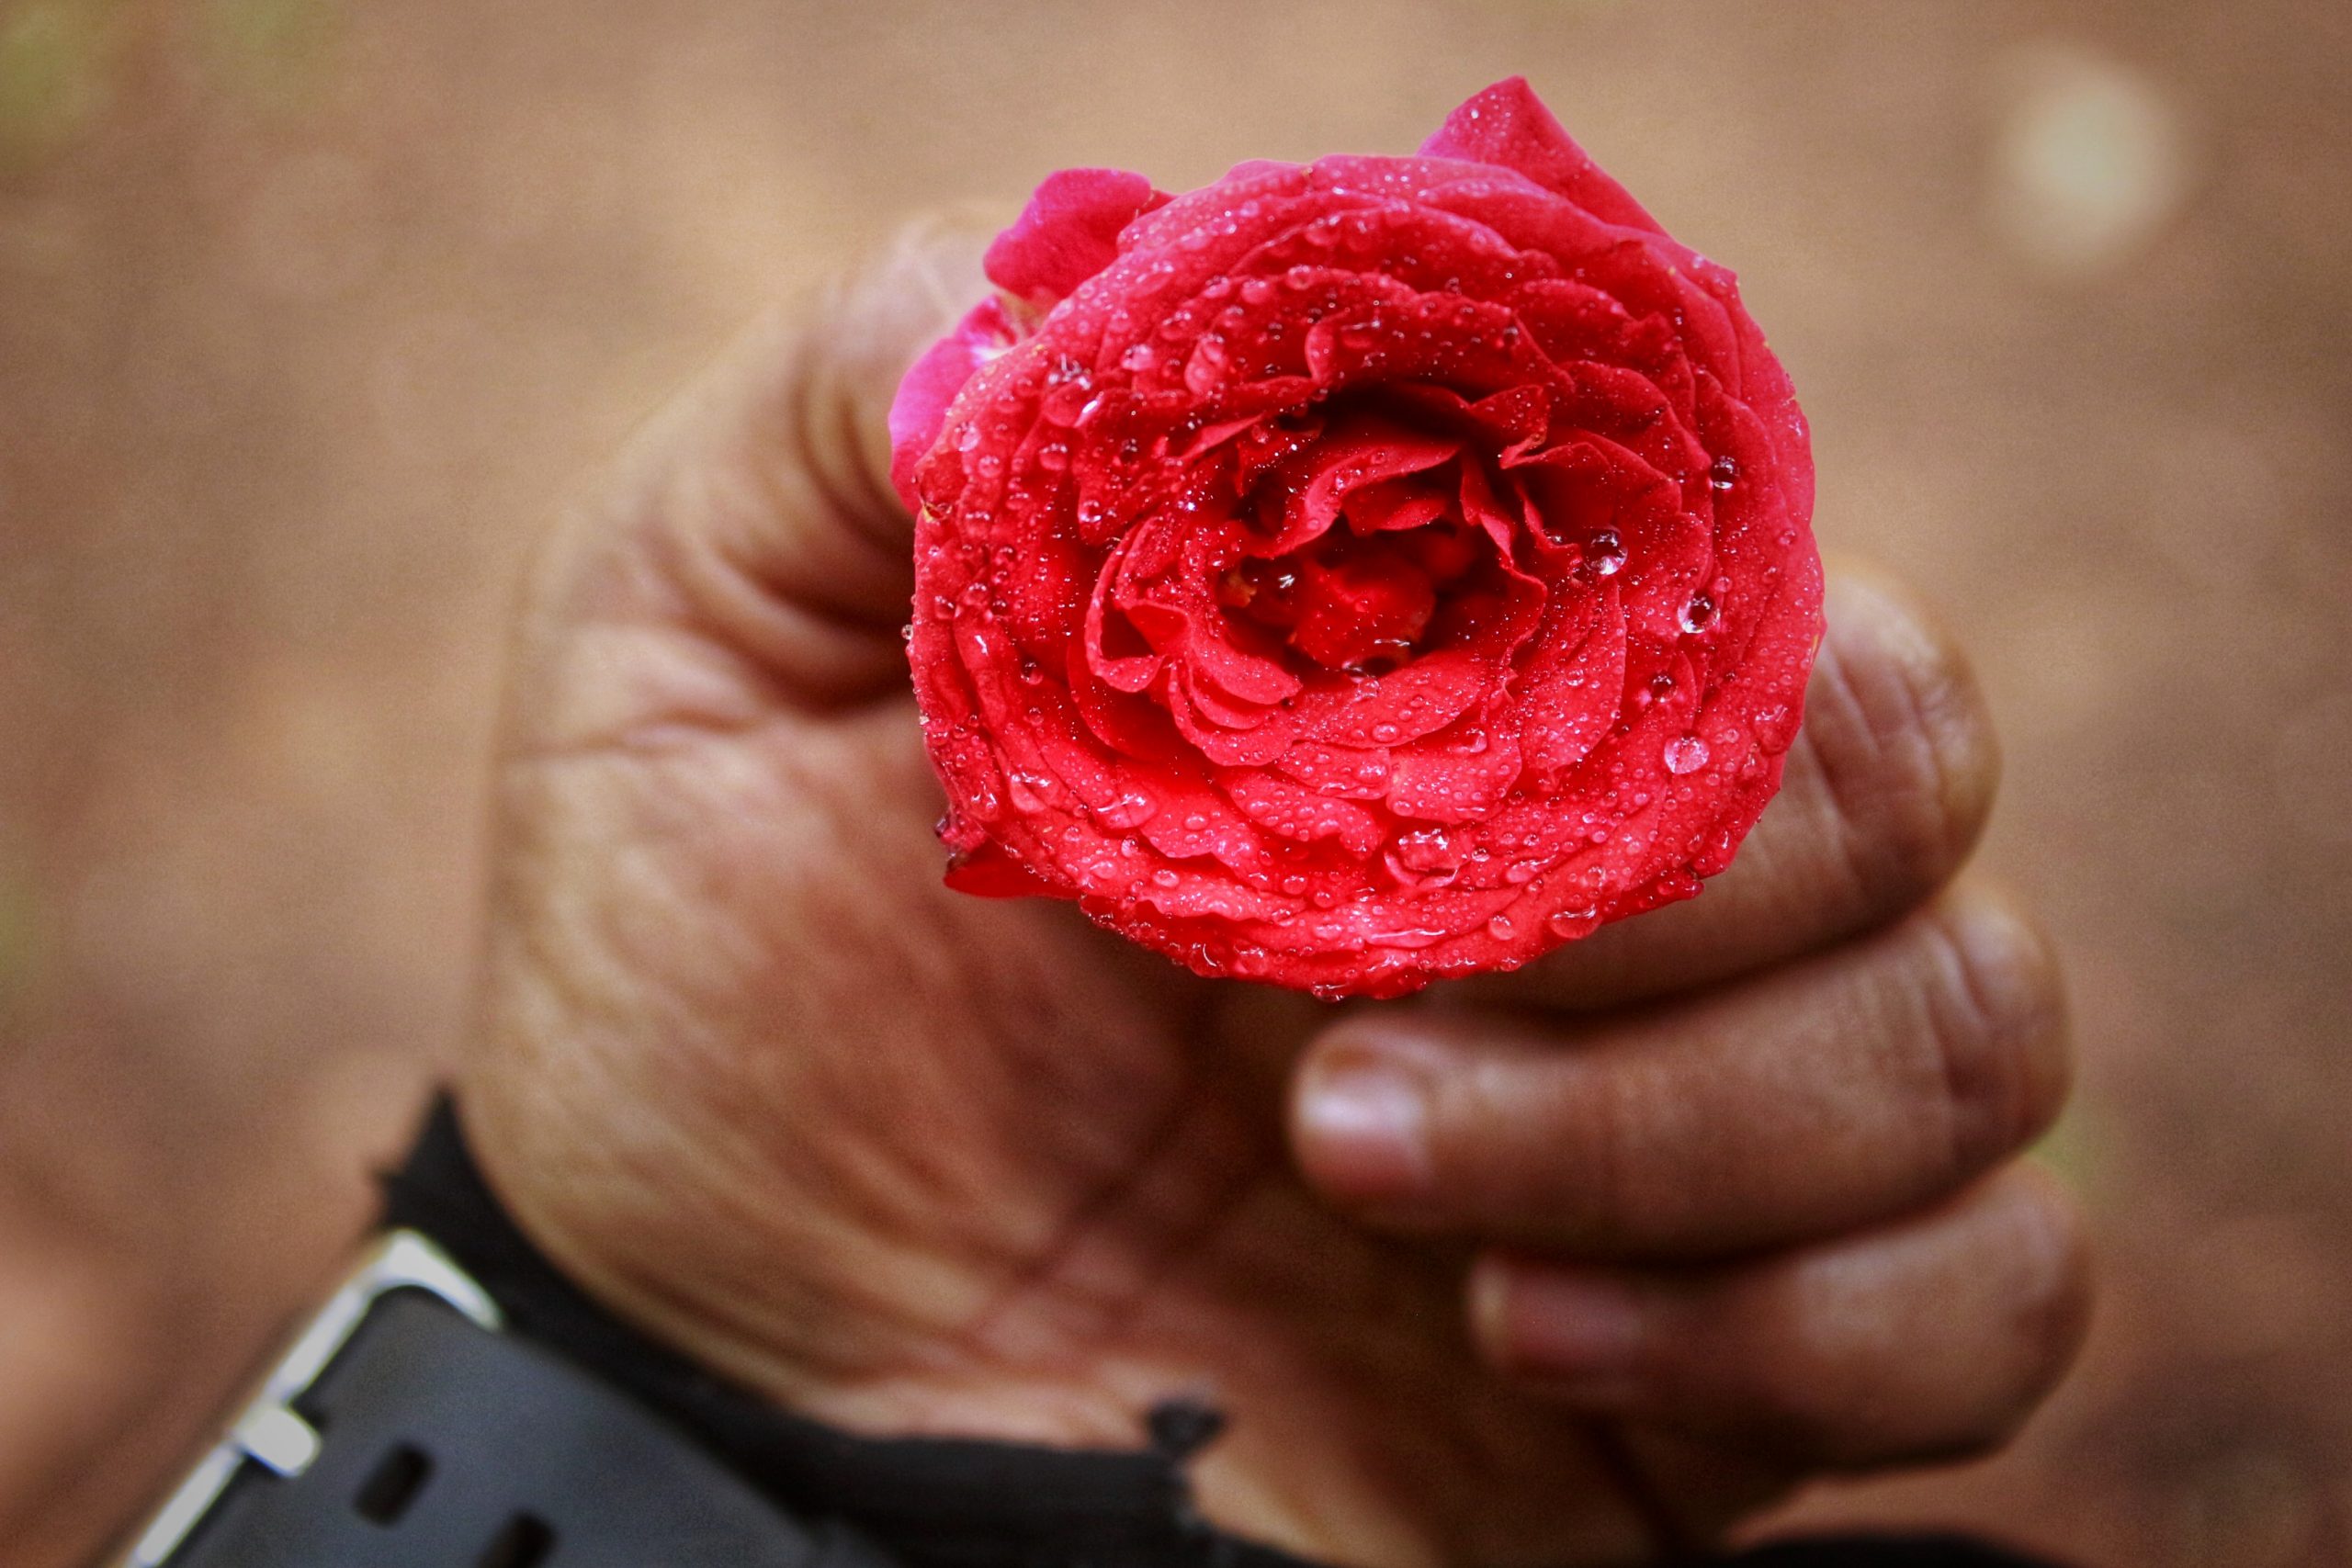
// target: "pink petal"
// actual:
[[1442, 784], [1069, 233], [918, 411], [1577, 684], [1507, 126], [1277, 805], [1346, 770]]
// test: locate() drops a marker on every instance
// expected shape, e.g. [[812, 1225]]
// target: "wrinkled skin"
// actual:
[[1558, 1266], [1355, 574]]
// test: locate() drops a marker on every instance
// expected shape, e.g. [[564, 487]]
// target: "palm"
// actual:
[[992, 1169]]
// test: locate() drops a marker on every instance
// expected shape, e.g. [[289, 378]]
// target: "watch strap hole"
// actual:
[[524, 1542], [392, 1486]]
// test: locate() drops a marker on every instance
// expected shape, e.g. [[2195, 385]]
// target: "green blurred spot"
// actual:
[[54, 59], [2070, 1151], [17, 937], [273, 50]]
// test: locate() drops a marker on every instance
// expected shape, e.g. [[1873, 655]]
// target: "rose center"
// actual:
[[1358, 602]]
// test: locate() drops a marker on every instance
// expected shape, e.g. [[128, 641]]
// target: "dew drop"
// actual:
[[1500, 927], [1724, 472], [1409, 938], [1130, 811], [1140, 358], [1605, 552], [1699, 613], [1572, 922], [1032, 792], [1425, 859], [1685, 754]]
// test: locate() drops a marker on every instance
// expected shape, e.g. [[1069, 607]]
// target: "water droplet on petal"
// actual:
[[1724, 472], [1685, 754], [1699, 614], [1424, 859], [1572, 922], [1500, 927], [1032, 792], [1128, 812], [1605, 552]]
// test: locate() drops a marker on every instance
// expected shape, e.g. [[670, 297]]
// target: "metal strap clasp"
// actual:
[[270, 1432]]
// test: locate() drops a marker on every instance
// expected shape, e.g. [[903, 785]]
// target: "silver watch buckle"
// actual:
[[270, 1432]]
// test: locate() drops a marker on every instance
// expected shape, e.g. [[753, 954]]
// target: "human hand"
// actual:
[[1564, 1266]]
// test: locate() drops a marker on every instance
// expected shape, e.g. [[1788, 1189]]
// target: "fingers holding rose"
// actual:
[[1736, 1169], [1833, 1093], [1762, 1216]]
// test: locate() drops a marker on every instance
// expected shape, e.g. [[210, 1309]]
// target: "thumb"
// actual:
[[750, 525]]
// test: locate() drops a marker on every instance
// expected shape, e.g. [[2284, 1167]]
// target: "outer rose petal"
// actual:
[[1507, 126], [919, 410], [1069, 233]]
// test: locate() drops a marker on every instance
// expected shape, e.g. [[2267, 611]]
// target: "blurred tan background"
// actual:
[[311, 310]]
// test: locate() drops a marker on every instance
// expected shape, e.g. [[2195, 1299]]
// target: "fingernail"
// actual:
[[1555, 1324], [1364, 1128]]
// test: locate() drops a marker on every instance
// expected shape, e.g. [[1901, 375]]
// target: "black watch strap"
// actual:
[[460, 1405], [933, 1503], [440, 1443]]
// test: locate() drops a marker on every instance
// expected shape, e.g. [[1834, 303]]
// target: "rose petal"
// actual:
[[1506, 125], [1069, 233], [1448, 782], [1282, 806], [919, 410], [1570, 698]]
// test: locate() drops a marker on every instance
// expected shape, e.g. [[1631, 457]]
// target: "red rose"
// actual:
[[1356, 574]]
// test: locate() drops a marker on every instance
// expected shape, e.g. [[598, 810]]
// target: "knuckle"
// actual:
[[2052, 1300], [1995, 1023], [1909, 755], [1997, 1296], [2041, 1312], [1538, 1144]]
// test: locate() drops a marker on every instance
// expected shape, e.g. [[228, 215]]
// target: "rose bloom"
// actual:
[[1357, 574]]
